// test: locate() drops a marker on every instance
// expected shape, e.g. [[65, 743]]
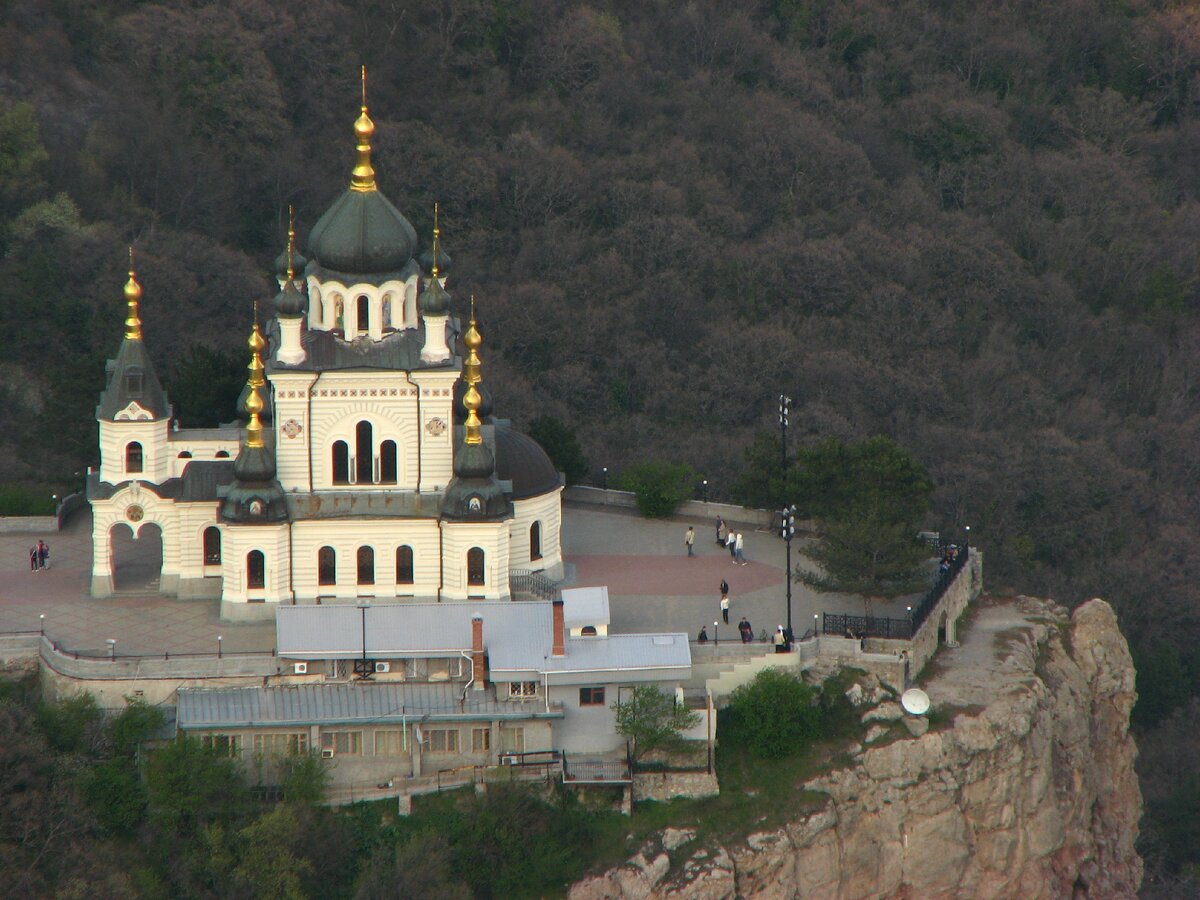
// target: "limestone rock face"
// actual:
[[1030, 793]]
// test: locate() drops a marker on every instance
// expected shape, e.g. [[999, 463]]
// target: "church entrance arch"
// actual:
[[136, 562]]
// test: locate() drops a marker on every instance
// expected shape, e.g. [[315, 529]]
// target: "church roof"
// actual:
[[521, 460], [399, 351], [362, 234], [131, 379], [197, 484]]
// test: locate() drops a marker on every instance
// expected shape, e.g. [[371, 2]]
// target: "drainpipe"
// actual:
[[311, 391], [291, 564], [471, 659], [420, 425], [441, 560]]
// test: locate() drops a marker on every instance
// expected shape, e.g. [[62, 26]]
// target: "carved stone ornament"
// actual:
[[291, 428], [135, 513], [134, 412], [436, 426]]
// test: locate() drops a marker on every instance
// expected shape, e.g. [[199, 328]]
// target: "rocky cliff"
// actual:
[[1028, 791]]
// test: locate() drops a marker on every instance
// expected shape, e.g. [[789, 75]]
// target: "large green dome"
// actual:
[[362, 233]]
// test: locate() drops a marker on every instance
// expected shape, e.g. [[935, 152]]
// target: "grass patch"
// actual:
[[27, 499]]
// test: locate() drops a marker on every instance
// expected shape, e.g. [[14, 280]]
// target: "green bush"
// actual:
[[562, 446], [659, 486], [27, 500], [774, 715]]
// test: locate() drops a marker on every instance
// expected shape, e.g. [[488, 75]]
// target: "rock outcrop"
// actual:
[[1030, 793]]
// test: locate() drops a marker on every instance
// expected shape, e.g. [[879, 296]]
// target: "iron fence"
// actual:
[[523, 583], [900, 628]]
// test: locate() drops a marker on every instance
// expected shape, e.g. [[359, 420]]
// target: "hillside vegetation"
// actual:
[[968, 227]]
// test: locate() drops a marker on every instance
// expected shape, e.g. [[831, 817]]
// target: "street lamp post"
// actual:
[[42, 623], [910, 621], [788, 529], [785, 409], [716, 634], [816, 624], [112, 648], [705, 484], [604, 478], [219, 647]]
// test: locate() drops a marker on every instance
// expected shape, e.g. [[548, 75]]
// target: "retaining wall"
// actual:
[[667, 785], [698, 509], [28, 524]]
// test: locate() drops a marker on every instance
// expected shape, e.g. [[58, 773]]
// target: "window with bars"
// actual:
[[343, 743], [291, 743], [389, 742], [522, 689], [442, 740]]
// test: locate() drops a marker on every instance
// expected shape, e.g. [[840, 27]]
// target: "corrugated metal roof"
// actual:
[[623, 651], [515, 633], [356, 703], [585, 606]]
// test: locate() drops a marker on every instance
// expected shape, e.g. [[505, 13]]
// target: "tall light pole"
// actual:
[[705, 490], [787, 529], [785, 410], [112, 648], [604, 479]]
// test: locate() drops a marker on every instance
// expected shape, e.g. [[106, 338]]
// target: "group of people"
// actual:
[[726, 537], [948, 558], [39, 556]]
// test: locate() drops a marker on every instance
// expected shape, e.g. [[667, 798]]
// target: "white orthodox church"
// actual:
[[369, 467]]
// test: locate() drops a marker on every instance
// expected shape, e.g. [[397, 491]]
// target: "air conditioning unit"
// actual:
[[327, 753], [383, 667], [509, 760], [301, 668]]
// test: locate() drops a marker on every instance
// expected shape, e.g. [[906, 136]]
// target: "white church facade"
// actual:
[[368, 465]]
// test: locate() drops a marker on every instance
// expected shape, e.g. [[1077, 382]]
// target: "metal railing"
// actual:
[[842, 625], [535, 585]]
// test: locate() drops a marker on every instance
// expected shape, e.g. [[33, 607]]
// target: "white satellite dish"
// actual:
[[915, 701]]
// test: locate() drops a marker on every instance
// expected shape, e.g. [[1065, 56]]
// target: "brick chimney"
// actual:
[[560, 641], [478, 657]]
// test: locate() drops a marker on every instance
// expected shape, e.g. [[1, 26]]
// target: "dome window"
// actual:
[[366, 565], [133, 458], [341, 463], [404, 565], [212, 546], [535, 541], [326, 566]]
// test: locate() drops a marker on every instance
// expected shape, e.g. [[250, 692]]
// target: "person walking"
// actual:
[[33, 559], [43, 555], [721, 529], [725, 608], [689, 541], [702, 637], [724, 588], [738, 554], [778, 640], [745, 630], [731, 543]]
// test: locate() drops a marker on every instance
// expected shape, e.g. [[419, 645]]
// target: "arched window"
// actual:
[[364, 312], [364, 453], [387, 462], [212, 546], [256, 569], [326, 566], [588, 631], [221, 454], [133, 457], [341, 463], [475, 566], [535, 540], [404, 565], [186, 454], [387, 311], [366, 565]]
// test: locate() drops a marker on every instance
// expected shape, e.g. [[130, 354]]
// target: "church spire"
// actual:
[[133, 295], [291, 245], [254, 401], [472, 399], [362, 179], [437, 240]]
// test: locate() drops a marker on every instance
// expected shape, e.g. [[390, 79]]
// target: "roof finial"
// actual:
[[362, 179], [254, 400], [437, 239], [133, 294], [472, 399], [291, 249]]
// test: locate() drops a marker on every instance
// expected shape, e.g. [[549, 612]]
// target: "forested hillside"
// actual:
[[971, 227]]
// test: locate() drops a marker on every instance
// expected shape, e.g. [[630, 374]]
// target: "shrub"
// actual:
[[775, 714], [659, 486], [26, 500], [562, 446], [653, 721]]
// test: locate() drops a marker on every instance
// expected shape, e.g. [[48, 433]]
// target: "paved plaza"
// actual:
[[653, 586]]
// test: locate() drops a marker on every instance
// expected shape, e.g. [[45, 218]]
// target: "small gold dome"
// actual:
[[257, 342]]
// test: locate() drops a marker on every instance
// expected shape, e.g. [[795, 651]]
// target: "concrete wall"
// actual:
[[28, 525]]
